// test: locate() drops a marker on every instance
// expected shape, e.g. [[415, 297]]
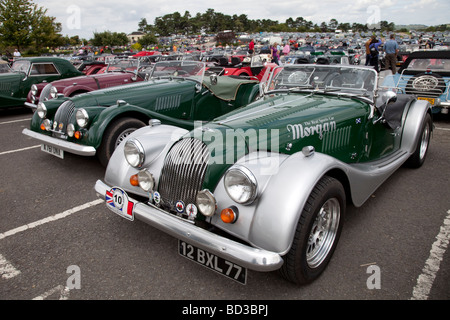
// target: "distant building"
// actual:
[[135, 36]]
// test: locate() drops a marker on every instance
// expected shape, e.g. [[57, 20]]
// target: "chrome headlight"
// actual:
[[70, 129], [34, 90], [41, 110], [241, 185], [82, 118], [146, 180], [206, 202], [53, 92], [134, 153]]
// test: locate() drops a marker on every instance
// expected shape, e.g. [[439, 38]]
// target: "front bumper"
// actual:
[[61, 144], [244, 255]]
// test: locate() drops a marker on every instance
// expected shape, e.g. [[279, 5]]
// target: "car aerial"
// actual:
[[117, 72], [265, 187], [425, 74], [254, 66], [15, 85], [176, 93]]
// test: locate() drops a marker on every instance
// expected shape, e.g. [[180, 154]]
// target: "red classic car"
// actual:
[[118, 72], [251, 66]]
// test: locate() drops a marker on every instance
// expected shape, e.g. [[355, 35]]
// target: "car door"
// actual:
[[40, 72]]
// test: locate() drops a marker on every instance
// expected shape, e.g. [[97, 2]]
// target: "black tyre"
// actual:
[[417, 159], [317, 233], [116, 132]]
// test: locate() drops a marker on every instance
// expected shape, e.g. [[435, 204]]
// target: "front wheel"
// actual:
[[116, 132], [317, 232], [418, 157]]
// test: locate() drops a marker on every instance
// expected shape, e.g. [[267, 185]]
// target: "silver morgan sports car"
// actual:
[[265, 187]]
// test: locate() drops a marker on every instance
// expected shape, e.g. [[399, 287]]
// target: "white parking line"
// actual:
[[18, 150], [50, 219], [429, 271], [61, 290], [7, 270], [14, 121]]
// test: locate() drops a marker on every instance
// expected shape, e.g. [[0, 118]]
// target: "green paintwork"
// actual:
[[337, 126], [175, 101], [14, 86]]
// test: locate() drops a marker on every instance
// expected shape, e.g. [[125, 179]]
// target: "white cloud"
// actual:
[[124, 16]]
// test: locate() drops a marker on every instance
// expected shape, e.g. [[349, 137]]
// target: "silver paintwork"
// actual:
[[268, 224]]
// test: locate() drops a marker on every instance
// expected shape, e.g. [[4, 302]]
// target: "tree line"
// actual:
[[23, 25], [212, 22]]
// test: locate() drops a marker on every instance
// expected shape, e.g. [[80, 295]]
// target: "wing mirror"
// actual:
[[386, 98]]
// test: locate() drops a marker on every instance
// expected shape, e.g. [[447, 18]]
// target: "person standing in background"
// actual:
[[251, 47], [391, 50]]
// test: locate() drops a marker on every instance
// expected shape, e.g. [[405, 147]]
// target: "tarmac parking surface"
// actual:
[[58, 241]]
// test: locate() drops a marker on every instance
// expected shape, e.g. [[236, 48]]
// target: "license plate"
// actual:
[[430, 100], [118, 202], [213, 262], [52, 150]]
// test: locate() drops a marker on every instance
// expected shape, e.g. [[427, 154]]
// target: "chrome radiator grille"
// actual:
[[45, 93], [183, 172], [63, 115]]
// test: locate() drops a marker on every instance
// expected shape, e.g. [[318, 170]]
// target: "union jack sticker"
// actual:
[[118, 202]]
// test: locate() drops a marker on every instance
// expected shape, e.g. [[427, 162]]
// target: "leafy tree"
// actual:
[[148, 39], [108, 38], [23, 23]]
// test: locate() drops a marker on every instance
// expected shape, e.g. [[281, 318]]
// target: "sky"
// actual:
[[84, 17]]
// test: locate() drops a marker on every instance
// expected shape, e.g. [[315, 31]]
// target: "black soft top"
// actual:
[[444, 54]]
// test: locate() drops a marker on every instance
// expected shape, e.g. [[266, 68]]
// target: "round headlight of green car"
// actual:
[[134, 153], [82, 118], [41, 110], [241, 185]]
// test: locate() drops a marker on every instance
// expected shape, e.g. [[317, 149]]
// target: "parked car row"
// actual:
[[248, 172]]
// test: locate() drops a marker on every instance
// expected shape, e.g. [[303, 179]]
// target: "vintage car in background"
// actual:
[[254, 67], [117, 72], [266, 186], [4, 66], [177, 93], [15, 85], [331, 57], [425, 74]]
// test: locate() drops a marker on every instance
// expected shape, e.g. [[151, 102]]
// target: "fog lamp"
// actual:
[[146, 180], [46, 125], [206, 202], [70, 129]]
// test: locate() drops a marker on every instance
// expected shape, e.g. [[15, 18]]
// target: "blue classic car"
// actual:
[[425, 74]]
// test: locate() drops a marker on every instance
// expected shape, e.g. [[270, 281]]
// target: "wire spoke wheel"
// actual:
[[323, 233]]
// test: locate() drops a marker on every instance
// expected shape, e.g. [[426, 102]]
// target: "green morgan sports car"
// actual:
[[176, 93], [265, 187], [15, 84]]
